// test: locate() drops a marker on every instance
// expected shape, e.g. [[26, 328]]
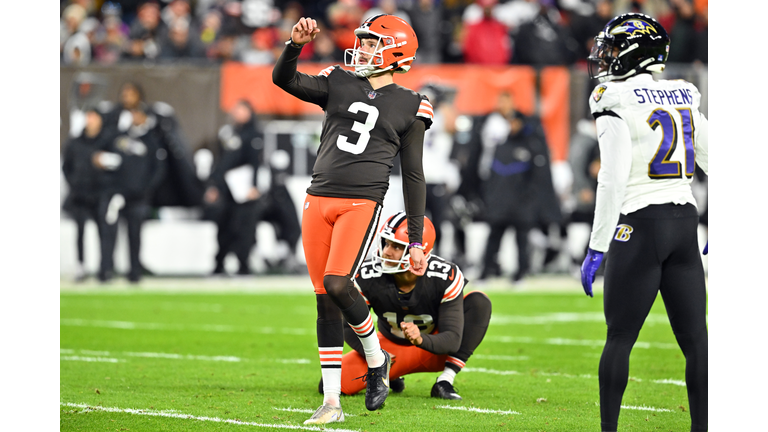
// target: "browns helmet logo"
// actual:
[[633, 27]]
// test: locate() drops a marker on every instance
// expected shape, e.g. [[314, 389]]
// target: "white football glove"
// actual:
[[110, 161]]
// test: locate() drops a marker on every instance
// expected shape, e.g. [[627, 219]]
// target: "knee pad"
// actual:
[[336, 286]]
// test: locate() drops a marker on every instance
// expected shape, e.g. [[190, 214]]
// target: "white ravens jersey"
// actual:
[[667, 138]]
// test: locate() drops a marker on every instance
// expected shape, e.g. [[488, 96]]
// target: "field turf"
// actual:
[[240, 355]]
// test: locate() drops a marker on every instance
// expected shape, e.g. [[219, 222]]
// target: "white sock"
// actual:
[[330, 366], [373, 355], [331, 386], [447, 375]]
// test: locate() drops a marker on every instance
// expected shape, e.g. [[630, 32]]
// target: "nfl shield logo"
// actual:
[[372, 94]]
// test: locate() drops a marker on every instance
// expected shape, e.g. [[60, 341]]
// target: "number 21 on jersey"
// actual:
[[661, 166]]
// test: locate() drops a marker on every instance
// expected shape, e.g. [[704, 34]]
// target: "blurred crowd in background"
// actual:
[[127, 157], [533, 32]]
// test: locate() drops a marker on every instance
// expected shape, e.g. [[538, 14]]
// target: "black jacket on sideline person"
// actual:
[[240, 144], [519, 189], [127, 190], [79, 171], [180, 185], [83, 179]]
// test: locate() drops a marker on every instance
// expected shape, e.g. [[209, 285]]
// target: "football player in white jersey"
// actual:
[[651, 137]]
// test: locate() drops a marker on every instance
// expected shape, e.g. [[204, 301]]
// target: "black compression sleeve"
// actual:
[[414, 186], [450, 326], [308, 88]]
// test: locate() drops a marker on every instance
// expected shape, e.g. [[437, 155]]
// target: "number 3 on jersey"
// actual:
[[364, 129], [661, 166]]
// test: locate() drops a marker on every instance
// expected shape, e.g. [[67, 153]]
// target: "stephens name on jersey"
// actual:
[[441, 286]]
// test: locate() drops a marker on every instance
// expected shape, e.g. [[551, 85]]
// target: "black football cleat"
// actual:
[[397, 385], [444, 390], [377, 384]]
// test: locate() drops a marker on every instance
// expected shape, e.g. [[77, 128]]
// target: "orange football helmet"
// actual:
[[395, 229], [395, 50]]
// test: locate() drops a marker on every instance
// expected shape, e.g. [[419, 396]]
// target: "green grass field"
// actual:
[[241, 355]]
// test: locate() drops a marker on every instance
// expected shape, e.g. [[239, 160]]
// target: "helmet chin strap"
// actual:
[[370, 72]]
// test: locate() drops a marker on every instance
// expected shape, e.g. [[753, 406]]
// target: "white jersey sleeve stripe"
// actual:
[[327, 71], [354, 281], [425, 110], [455, 288]]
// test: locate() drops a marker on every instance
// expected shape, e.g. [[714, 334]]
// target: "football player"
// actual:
[[368, 120], [426, 323], [651, 137]]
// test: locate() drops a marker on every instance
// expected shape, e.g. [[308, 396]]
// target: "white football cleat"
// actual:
[[326, 414]]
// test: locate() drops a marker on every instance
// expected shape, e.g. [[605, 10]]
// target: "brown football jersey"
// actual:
[[362, 135], [364, 129]]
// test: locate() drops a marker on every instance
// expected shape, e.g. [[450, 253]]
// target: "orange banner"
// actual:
[[477, 91]]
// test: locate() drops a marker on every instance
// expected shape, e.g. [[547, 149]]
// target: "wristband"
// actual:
[[292, 43], [416, 245]]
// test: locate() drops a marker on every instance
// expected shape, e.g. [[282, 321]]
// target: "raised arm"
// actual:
[[308, 88]]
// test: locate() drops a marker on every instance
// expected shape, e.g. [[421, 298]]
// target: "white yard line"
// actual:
[[128, 325], [490, 371], [500, 357], [305, 410], [171, 356], [184, 357], [645, 408], [576, 342], [565, 317], [91, 359], [178, 415], [671, 381], [563, 375], [479, 410]]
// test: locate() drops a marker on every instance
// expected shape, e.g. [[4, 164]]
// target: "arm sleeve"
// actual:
[[414, 186], [616, 161], [450, 324], [701, 139], [308, 88]]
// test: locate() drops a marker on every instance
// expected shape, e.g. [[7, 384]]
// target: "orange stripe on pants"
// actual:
[[408, 360], [336, 234]]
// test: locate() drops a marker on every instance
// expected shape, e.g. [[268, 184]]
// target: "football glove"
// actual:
[[589, 268], [110, 161], [706, 248]]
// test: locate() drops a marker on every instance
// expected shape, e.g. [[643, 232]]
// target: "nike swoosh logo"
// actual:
[[357, 204], [601, 134]]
